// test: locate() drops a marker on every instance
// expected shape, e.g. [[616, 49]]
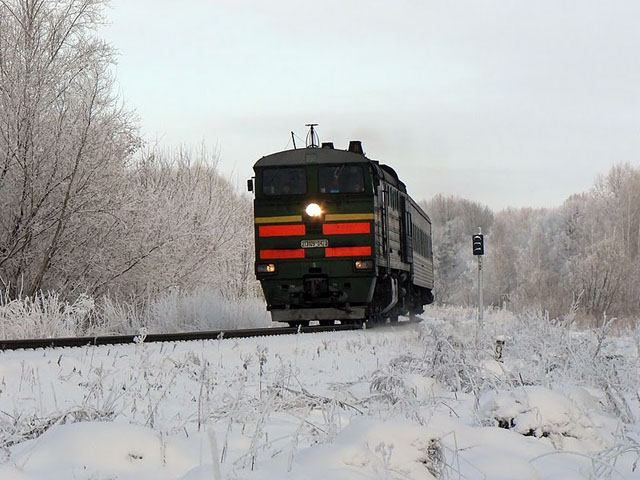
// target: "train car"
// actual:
[[337, 238]]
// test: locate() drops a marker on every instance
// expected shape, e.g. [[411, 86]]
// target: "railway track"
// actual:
[[32, 343], [61, 342]]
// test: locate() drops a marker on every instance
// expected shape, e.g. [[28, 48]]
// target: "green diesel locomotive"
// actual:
[[337, 238]]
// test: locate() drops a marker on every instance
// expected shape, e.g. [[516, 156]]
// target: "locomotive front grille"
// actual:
[[316, 287]]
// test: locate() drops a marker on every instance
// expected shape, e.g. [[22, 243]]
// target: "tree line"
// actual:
[[581, 257]]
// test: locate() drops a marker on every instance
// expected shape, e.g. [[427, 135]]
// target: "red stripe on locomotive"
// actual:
[[280, 254], [346, 228], [347, 252], [281, 230]]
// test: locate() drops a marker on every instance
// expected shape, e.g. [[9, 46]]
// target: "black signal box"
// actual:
[[478, 244]]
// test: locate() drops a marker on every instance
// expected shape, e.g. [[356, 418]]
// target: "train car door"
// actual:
[[385, 224], [406, 231]]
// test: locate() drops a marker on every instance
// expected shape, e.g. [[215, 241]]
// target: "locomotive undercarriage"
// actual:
[[392, 296], [324, 296]]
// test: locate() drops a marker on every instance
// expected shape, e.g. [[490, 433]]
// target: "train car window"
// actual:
[[284, 181], [341, 179]]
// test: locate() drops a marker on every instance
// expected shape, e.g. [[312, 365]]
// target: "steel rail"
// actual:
[[60, 342]]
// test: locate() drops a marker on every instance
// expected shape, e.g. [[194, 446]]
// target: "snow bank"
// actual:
[[365, 449], [539, 412], [401, 450], [90, 449], [418, 402]]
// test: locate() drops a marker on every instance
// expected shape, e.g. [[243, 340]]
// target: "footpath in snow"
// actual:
[[427, 401]]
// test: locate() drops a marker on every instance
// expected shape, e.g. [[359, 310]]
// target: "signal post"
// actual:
[[478, 251]]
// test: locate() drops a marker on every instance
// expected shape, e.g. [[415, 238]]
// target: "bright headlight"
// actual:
[[364, 264], [266, 268], [313, 210]]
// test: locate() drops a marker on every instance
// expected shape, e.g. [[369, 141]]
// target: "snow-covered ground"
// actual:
[[418, 402]]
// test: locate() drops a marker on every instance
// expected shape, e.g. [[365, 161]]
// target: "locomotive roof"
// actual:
[[306, 156], [322, 156]]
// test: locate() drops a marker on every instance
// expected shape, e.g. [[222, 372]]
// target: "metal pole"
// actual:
[[480, 299]]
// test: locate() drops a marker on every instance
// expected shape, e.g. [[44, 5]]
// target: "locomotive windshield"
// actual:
[[284, 181], [341, 179]]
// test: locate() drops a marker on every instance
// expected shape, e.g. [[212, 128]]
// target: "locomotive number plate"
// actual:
[[323, 242]]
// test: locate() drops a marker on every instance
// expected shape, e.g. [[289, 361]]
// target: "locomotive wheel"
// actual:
[[298, 324], [393, 319], [373, 316]]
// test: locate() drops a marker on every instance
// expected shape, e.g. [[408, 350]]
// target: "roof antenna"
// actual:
[[312, 137], [294, 140]]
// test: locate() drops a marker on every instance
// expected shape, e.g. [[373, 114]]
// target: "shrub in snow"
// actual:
[[388, 386], [535, 350], [177, 311], [434, 459], [394, 386], [47, 315], [44, 315], [203, 309], [19, 427]]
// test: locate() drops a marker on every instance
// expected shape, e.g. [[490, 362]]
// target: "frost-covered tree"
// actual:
[[64, 138], [83, 208], [185, 227], [604, 243], [454, 220], [582, 255]]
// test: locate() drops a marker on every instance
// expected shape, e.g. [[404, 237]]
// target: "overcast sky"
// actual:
[[509, 103]]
